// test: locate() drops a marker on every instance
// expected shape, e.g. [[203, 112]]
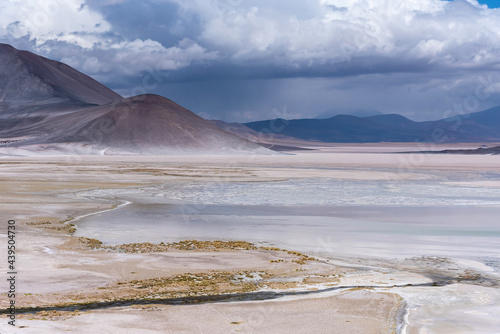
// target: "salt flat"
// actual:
[[367, 216]]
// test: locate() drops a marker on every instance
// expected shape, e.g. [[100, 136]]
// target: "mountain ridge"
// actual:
[[47, 106], [45, 102], [27, 78], [475, 127]]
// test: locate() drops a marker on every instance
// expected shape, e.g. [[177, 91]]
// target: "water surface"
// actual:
[[360, 218]]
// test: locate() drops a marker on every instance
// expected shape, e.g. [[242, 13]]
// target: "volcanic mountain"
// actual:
[[29, 82], [144, 124], [483, 126], [33, 88], [47, 106]]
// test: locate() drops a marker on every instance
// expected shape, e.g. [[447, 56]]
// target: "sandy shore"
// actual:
[[57, 272], [356, 312], [72, 286]]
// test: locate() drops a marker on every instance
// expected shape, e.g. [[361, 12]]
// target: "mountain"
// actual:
[[275, 142], [49, 107], [33, 88], [245, 132], [393, 120], [145, 124], [358, 113], [489, 118], [339, 129], [27, 79], [476, 127], [486, 117]]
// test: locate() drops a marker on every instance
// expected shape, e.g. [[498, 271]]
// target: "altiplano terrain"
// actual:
[[68, 280]]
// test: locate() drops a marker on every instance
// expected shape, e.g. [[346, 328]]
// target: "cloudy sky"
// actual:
[[243, 60]]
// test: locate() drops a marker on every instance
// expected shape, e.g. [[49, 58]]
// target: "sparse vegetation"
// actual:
[[90, 243], [193, 245], [468, 275], [60, 226], [359, 288], [39, 223]]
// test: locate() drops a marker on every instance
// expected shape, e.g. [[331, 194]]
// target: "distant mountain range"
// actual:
[[483, 126], [357, 113], [47, 106]]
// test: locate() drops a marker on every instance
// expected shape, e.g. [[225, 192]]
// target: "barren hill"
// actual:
[[144, 124], [26, 78], [49, 107]]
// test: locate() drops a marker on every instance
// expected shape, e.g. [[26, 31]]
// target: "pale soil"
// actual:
[[55, 270], [353, 312]]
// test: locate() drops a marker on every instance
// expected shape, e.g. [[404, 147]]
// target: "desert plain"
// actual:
[[339, 239]]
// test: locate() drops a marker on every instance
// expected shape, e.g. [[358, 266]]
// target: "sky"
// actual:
[[490, 3], [247, 60]]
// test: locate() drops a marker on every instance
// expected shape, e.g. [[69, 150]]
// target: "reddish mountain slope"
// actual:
[[29, 80], [145, 124]]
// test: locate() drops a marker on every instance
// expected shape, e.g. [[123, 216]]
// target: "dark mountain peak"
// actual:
[[344, 117], [486, 117], [26, 78], [148, 99], [391, 120], [245, 132], [358, 113], [144, 124], [389, 116], [48, 106], [6, 48], [149, 106]]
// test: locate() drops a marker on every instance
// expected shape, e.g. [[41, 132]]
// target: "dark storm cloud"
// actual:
[[359, 66], [415, 95], [241, 60], [158, 21]]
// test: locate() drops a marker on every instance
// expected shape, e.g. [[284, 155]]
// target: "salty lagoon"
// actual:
[[440, 215], [429, 234], [393, 219]]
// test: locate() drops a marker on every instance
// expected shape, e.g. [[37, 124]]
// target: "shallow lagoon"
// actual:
[[359, 218], [437, 214]]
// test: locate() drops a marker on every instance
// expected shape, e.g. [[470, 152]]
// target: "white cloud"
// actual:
[[71, 25], [459, 33], [54, 20], [139, 55], [304, 34], [448, 43], [130, 58]]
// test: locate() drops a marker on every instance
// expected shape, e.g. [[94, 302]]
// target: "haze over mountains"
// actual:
[[47, 106], [146, 124], [481, 126], [357, 113]]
